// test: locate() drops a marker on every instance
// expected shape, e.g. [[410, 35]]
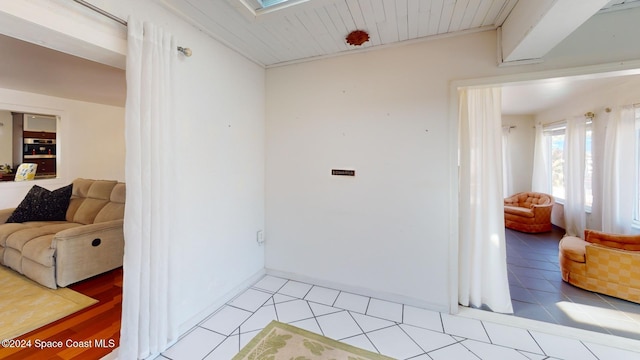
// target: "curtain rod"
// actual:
[[101, 12], [185, 51]]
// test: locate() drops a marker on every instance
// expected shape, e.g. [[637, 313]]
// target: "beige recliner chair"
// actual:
[[59, 253]]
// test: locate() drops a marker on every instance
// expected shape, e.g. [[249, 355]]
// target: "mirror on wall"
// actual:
[[27, 138]]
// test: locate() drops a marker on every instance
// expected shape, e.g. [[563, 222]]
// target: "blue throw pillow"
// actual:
[[41, 204]]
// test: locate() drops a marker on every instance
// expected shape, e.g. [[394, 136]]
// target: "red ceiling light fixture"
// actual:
[[357, 37]]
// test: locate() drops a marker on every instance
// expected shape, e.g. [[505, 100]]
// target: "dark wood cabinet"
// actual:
[[7, 177], [28, 146], [45, 166], [39, 135]]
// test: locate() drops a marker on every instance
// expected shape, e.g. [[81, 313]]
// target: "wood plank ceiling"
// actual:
[[315, 28]]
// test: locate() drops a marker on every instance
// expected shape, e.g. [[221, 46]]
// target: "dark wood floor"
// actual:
[[97, 325]]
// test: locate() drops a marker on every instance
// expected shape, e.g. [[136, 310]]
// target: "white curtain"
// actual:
[[149, 305], [507, 177], [540, 180], [574, 167], [483, 279], [619, 171]]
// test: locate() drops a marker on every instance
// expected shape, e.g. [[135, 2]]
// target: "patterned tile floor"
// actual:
[[538, 292], [396, 330]]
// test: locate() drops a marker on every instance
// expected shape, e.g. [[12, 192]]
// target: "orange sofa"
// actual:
[[603, 263], [528, 212]]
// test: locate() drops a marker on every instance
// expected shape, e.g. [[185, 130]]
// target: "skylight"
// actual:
[[260, 6], [267, 3]]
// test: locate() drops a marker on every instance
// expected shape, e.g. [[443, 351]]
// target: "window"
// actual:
[[557, 164], [556, 144]]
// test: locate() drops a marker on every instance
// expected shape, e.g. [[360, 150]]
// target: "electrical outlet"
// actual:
[[260, 237]]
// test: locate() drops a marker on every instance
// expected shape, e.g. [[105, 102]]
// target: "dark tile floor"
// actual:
[[538, 292]]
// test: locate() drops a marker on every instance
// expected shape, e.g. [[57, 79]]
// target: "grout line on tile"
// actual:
[[336, 299], [356, 321], [256, 289], [222, 342], [486, 332], [277, 277], [286, 301], [453, 344], [537, 343], [239, 308], [412, 339], [204, 328], [308, 291], [589, 349], [468, 349], [366, 310], [275, 309], [372, 343], [417, 356], [318, 323]]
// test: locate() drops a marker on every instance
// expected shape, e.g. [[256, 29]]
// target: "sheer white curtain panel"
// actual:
[[507, 176], [149, 305], [574, 168], [483, 279], [619, 171], [540, 176]]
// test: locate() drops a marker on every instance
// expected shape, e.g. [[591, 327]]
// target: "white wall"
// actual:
[[521, 144], [219, 98], [220, 102], [386, 114], [6, 138], [91, 138], [220, 106]]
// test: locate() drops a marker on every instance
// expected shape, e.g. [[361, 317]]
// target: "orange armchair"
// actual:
[[528, 212], [602, 262]]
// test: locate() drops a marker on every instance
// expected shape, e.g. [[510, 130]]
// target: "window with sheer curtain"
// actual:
[[619, 192], [619, 170], [555, 168], [621, 178]]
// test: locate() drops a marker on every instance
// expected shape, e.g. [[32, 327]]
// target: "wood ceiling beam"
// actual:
[[533, 28]]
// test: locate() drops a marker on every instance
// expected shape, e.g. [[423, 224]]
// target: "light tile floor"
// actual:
[[396, 330]]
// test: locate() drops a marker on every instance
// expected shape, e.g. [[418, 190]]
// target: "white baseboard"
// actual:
[[219, 302], [360, 291], [216, 304]]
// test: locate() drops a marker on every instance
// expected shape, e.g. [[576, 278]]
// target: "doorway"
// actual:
[[551, 99], [89, 134]]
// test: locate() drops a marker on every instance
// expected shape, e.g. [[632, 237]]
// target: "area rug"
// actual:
[[26, 305], [280, 341]]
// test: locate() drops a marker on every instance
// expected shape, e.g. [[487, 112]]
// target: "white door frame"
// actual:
[[577, 73]]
